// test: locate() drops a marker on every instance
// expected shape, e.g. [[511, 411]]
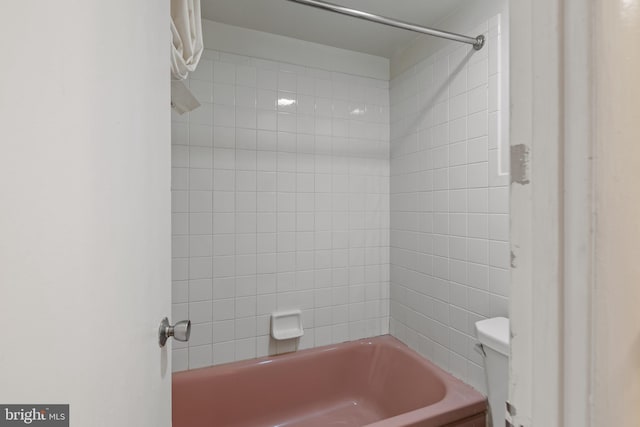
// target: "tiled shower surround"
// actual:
[[297, 187], [449, 202], [280, 188]]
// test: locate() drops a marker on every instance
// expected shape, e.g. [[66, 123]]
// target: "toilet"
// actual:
[[493, 335]]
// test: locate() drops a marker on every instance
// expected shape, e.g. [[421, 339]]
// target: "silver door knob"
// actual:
[[180, 331]]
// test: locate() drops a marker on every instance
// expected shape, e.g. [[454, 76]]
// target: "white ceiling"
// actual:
[[306, 23]]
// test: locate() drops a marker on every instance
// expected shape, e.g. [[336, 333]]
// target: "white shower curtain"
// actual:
[[186, 43], [186, 48]]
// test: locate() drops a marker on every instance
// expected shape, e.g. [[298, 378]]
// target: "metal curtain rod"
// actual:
[[477, 42]]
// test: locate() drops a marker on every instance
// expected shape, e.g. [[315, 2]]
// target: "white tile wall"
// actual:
[[449, 203], [280, 200]]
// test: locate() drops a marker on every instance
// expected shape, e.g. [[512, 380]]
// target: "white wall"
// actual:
[[450, 201], [257, 44], [278, 207], [616, 360], [85, 225]]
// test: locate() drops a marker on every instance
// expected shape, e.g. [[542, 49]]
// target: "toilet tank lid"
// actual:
[[494, 333]]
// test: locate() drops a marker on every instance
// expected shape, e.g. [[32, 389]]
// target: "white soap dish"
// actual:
[[286, 325]]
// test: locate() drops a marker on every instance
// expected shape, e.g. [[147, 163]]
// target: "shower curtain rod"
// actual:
[[477, 42]]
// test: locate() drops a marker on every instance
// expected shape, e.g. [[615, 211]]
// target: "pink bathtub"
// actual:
[[377, 382]]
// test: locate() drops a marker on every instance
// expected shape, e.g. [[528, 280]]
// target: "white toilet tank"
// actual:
[[493, 335]]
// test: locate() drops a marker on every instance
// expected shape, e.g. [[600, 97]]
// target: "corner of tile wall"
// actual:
[[449, 202]]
